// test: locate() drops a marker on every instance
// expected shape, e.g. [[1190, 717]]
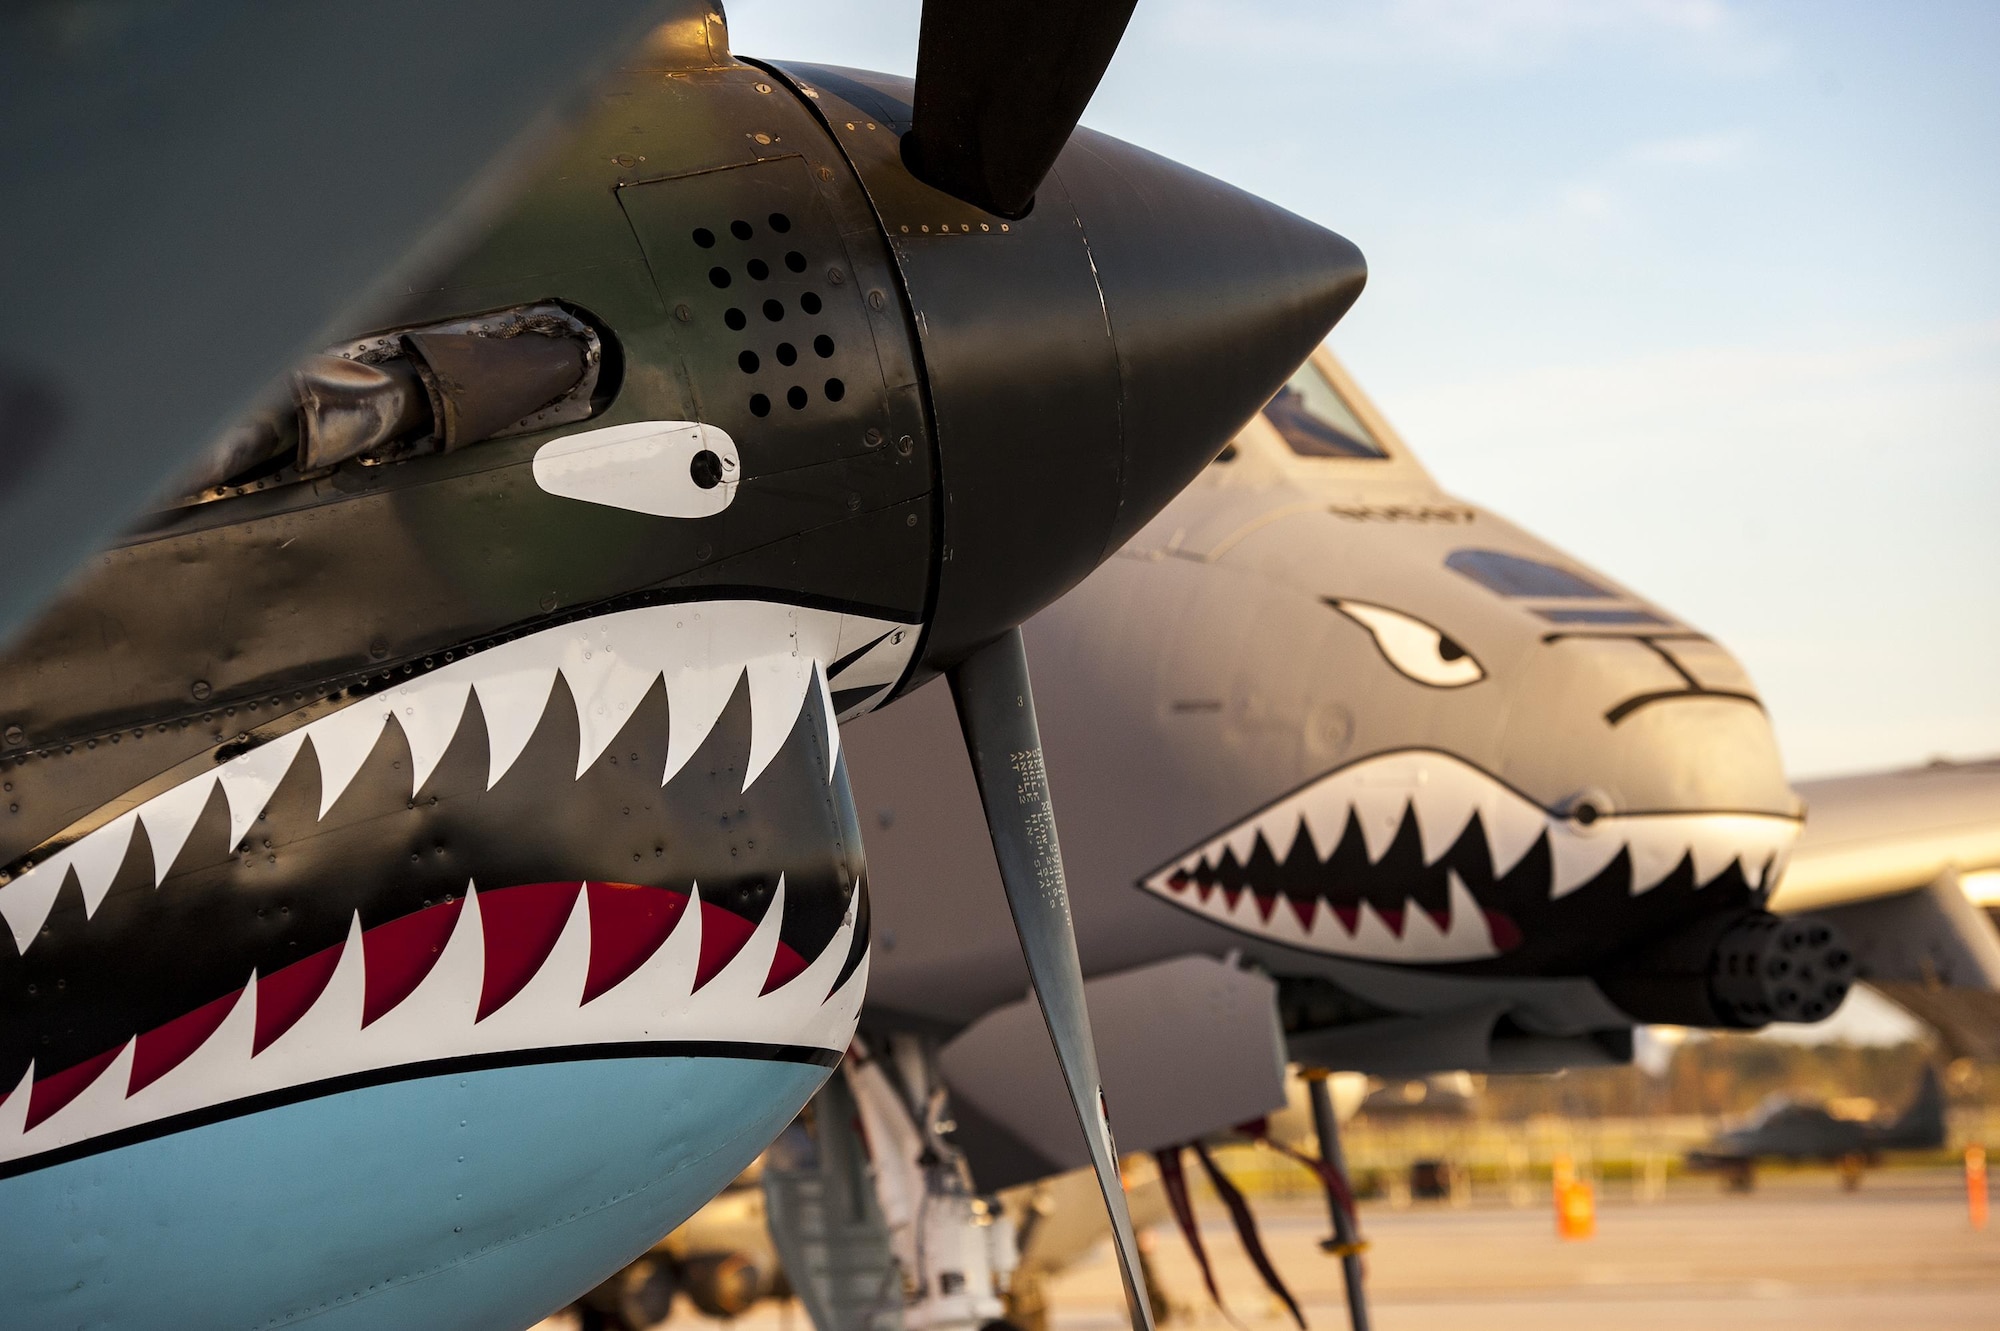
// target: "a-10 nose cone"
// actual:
[[1083, 362]]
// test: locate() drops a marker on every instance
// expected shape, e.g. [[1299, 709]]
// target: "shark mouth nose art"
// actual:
[[623, 836], [466, 983], [1419, 857]]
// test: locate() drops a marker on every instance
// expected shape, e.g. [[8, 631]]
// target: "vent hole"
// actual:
[[735, 318], [787, 354], [780, 223], [835, 390], [704, 237], [795, 261], [796, 396], [809, 303], [719, 276], [822, 346], [747, 362], [774, 310], [757, 269], [740, 229], [760, 405]]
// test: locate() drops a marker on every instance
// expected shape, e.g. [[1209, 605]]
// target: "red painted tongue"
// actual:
[[520, 925], [285, 994], [628, 924], [400, 953], [164, 1048]]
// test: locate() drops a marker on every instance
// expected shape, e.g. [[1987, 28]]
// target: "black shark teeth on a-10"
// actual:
[[511, 768], [1416, 857]]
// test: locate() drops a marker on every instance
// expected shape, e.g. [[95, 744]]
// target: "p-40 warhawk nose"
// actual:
[[563, 574]]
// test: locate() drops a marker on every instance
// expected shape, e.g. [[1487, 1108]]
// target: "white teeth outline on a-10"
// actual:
[[439, 1019], [702, 648], [1444, 792]]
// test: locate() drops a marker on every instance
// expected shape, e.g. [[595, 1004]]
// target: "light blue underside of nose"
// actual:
[[479, 1200]]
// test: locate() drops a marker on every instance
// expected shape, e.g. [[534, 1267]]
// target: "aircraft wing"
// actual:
[[1895, 860], [1885, 833], [193, 195]]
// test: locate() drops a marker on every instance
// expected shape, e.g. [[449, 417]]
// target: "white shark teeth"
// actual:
[[740, 981], [169, 817], [1241, 842], [1371, 936], [1758, 845], [695, 699], [777, 693], [1714, 853], [429, 711], [1512, 825], [1579, 854], [884, 655], [1378, 807], [512, 702], [1652, 860], [249, 781], [14, 1109], [441, 1018], [1468, 921], [341, 743], [1443, 795], [609, 663], [1325, 822], [832, 728], [609, 667], [96, 858], [1360, 931]]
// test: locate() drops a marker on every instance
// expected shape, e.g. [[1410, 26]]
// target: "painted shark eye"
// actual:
[[1414, 647], [670, 469]]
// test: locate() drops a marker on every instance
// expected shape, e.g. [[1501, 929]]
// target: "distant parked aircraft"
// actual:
[[1792, 1130]]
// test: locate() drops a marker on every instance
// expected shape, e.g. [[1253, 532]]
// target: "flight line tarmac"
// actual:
[[1796, 1253]]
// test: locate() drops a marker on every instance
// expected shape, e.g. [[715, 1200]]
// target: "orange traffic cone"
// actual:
[[1576, 1201], [1975, 1185]]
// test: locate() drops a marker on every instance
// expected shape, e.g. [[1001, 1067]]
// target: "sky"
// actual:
[[1707, 292]]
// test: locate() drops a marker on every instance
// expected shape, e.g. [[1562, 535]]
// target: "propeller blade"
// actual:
[[1000, 85], [996, 711]]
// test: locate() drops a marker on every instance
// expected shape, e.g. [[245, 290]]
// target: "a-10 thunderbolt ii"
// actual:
[[1441, 781], [1355, 774], [430, 870]]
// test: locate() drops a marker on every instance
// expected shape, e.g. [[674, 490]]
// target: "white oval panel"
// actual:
[[646, 467]]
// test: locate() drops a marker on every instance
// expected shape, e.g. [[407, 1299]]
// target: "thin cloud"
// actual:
[[1589, 201], [1480, 34], [1722, 148], [1578, 401]]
